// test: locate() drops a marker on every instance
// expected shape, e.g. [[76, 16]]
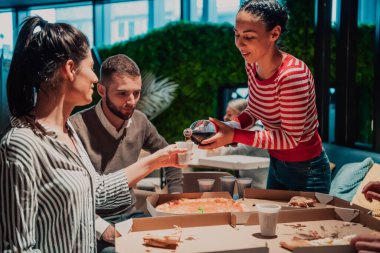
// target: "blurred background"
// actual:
[[191, 43]]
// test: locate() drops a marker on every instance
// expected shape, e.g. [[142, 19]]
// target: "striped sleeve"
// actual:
[[112, 190], [296, 114], [18, 198]]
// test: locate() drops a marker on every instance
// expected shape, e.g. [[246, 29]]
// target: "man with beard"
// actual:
[[114, 133]]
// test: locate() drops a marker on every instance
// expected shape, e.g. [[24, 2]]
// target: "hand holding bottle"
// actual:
[[223, 136]]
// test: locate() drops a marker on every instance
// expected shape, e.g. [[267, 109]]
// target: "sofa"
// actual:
[[353, 169], [340, 155]]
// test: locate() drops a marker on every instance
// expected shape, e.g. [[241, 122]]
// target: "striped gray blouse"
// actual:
[[48, 193]]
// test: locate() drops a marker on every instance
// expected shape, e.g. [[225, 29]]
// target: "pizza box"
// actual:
[[234, 162], [326, 222], [282, 197], [200, 233]]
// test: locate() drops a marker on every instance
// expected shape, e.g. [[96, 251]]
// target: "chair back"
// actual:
[[190, 183]]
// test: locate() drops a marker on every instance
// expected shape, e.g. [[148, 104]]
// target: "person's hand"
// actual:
[[167, 157], [366, 243], [223, 137], [110, 234], [372, 191]]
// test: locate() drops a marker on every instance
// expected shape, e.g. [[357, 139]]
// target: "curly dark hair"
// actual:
[[269, 11]]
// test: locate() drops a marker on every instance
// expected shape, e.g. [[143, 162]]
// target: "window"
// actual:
[[121, 29], [226, 10], [366, 12], [133, 15], [172, 10], [6, 34], [78, 16]]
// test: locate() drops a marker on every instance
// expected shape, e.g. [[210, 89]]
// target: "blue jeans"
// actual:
[[313, 175], [105, 247]]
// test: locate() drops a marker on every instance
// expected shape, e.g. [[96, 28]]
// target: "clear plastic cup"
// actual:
[[184, 158], [268, 215], [228, 184], [242, 183], [206, 184]]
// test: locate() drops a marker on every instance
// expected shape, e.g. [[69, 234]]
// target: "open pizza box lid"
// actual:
[[200, 233], [327, 221], [282, 197], [157, 199]]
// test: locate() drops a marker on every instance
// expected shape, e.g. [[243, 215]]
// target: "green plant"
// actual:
[[156, 95]]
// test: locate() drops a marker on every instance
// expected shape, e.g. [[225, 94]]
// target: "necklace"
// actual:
[[262, 76]]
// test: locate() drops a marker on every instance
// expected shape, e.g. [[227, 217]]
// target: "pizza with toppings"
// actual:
[[202, 205], [299, 201], [328, 241]]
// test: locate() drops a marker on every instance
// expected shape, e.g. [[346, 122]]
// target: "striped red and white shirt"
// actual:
[[285, 104]]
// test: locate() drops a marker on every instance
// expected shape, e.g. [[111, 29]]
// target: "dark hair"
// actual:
[[41, 49], [269, 11], [118, 64]]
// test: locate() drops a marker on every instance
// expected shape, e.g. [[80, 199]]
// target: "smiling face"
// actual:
[[81, 89], [252, 38], [120, 95]]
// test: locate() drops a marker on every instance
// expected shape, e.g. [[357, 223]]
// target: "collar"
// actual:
[[107, 124]]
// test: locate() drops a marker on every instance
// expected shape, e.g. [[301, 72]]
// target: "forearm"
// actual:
[[139, 170]]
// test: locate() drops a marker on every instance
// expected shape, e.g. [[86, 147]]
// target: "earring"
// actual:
[[34, 96]]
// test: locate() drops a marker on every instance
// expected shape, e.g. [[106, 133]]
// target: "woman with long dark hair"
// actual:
[[48, 186]]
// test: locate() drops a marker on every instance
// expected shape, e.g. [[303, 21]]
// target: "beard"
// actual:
[[117, 112]]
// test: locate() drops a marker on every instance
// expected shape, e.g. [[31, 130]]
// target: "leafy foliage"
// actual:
[[156, 95]]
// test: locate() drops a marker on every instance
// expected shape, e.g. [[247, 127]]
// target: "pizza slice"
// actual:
[[328, 241], [299, 201], [167, 240]]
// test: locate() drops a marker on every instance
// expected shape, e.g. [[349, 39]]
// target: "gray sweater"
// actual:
[[109, 153]]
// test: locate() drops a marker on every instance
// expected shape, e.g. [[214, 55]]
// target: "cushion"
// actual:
[[348, 179], [359, 199]]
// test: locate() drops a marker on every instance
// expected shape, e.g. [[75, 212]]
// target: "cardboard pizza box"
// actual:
[[326, 222], [282, 197], [200, 233]]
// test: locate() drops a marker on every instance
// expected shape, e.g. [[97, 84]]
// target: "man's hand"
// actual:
[[110, 234], [223, 137], [372, 191]]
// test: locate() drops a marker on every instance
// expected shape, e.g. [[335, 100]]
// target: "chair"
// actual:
[[190, 183]]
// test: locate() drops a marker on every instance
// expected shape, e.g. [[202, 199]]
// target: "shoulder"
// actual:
[[19, 142], [139, 116], [293, 68], [77, 119]]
